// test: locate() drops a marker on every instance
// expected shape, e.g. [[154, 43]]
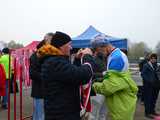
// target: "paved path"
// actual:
[[27, 105]]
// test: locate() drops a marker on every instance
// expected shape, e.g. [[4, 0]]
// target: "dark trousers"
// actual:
[[142, 92], [155, 96], [5, 98], [150, 97]]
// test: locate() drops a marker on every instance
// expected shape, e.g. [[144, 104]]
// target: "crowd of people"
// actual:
[[57, 80], [65, 84]]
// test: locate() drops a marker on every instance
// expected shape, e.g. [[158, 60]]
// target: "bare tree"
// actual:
[[137, 50], [12, 44]]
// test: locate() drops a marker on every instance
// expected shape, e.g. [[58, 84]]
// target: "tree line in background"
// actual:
[[140, 49], [12, 44]]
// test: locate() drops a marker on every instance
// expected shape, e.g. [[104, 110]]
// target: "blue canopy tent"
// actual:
[[84, 40]]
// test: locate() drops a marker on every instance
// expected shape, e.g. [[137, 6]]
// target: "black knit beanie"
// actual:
[[59, 39]]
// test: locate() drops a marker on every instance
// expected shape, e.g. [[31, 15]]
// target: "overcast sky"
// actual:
[[28, 20]]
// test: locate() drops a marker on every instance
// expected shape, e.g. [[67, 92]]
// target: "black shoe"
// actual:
[[156, 114], [151, 116]]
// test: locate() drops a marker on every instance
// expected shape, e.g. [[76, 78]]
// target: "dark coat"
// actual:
[[34, 71], [149, 74], [141, 64], [61, 86], [101, 67]]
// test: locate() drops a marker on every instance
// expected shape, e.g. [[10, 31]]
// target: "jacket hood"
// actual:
[[47, 50]]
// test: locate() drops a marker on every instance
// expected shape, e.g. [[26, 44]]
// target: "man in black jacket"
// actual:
[[62, 79]]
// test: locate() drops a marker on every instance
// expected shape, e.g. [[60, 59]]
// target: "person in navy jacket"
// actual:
[[151, 90]]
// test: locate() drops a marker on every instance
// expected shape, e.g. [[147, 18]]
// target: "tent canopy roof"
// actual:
[[84, 39], [89, 33]]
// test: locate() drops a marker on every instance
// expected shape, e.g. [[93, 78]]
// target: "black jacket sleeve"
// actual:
[[34, 68], [65, 72]]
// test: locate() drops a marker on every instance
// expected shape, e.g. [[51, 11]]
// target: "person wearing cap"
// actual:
[[100, 60], [37, 87], [62, 79], [117, 86], [4, 60]]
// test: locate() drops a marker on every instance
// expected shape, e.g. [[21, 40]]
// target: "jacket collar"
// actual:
[[48, 50], [150, 66]]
